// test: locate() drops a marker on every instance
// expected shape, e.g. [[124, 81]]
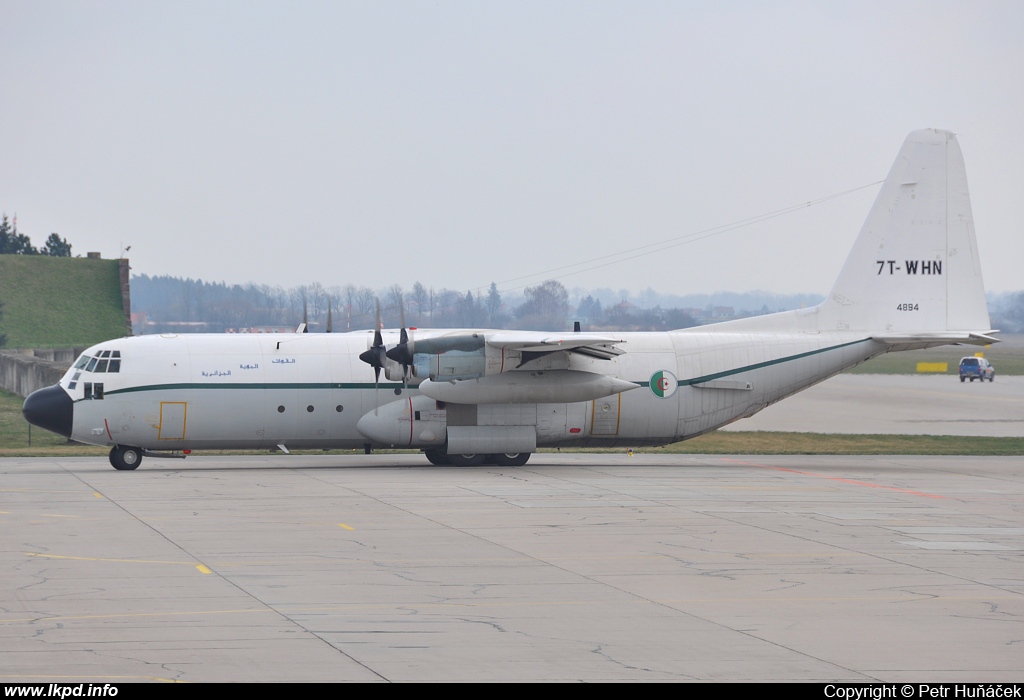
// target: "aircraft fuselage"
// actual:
[[310, 391]]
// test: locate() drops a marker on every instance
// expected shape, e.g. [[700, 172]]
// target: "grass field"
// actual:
[[59, 302], [14, 442], [1006, 356]]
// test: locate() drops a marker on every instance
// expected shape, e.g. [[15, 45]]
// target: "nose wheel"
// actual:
[[125, 458]]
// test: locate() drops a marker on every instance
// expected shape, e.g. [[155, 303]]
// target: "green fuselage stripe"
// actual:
[[272, 386], [262, 385], [768, 363]]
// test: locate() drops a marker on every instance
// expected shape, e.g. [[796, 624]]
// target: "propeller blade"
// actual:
[[376, 357], [376, 390], [403, 352]]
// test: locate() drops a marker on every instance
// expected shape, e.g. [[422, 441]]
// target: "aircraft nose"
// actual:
[[50, 408]]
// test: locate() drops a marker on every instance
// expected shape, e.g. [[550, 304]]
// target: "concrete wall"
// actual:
[[124, 274], [24, 371]]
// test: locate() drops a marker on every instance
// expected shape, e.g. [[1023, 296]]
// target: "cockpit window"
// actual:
[[100, 363]]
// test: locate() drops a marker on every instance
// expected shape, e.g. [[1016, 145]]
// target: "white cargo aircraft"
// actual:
[[464, 397]]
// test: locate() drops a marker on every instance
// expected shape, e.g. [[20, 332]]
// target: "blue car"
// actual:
[[976, 368]]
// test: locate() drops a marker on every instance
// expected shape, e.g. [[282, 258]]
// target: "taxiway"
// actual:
[[575, 567]]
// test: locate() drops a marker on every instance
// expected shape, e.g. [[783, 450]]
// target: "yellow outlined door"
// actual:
[[172, 420], [605, 417]]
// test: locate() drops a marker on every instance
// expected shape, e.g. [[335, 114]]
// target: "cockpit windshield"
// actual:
[[103, 361]]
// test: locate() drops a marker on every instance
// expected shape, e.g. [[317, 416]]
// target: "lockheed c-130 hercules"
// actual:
[[465, 397]]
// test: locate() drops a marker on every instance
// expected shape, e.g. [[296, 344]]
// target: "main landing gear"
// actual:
[[438, 457], [125, 458]]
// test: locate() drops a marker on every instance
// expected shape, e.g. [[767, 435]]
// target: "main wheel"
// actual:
[[511, 460], [125, 458], [437, 457], [467, 460]]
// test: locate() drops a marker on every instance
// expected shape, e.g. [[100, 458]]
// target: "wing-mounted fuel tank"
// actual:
[[554, 386]]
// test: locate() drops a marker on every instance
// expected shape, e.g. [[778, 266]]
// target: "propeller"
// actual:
[[330, 326], [403, 352], [376, 357]]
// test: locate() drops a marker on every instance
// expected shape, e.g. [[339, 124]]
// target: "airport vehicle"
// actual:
[[976, 368], [913, 280]]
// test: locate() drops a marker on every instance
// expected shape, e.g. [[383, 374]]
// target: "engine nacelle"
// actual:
[[451, 365]]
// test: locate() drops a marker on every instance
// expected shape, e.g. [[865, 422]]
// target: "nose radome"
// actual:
[[50, 408]]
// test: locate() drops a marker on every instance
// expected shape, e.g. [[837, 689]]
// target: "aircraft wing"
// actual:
[[599, 346]]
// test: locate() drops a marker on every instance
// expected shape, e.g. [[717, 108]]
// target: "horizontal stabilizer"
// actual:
[[915, 341]]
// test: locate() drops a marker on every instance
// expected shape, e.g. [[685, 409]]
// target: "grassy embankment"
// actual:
[[14, 434], [59, 302]]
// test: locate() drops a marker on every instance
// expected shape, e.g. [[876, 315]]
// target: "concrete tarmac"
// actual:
[[574, 567], [891, 404]]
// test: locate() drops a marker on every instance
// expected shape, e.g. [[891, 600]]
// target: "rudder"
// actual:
[[914, 267]]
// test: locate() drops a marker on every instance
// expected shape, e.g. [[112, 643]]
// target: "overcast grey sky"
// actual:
[[459, 143]]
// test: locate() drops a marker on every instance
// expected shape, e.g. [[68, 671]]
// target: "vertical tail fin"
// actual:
[[914, 267]]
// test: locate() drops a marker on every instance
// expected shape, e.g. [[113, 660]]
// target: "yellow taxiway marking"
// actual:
[[345, 526], [201, 567], [97, 494]]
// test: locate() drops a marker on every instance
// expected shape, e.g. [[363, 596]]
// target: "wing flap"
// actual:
[[592, 345]]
